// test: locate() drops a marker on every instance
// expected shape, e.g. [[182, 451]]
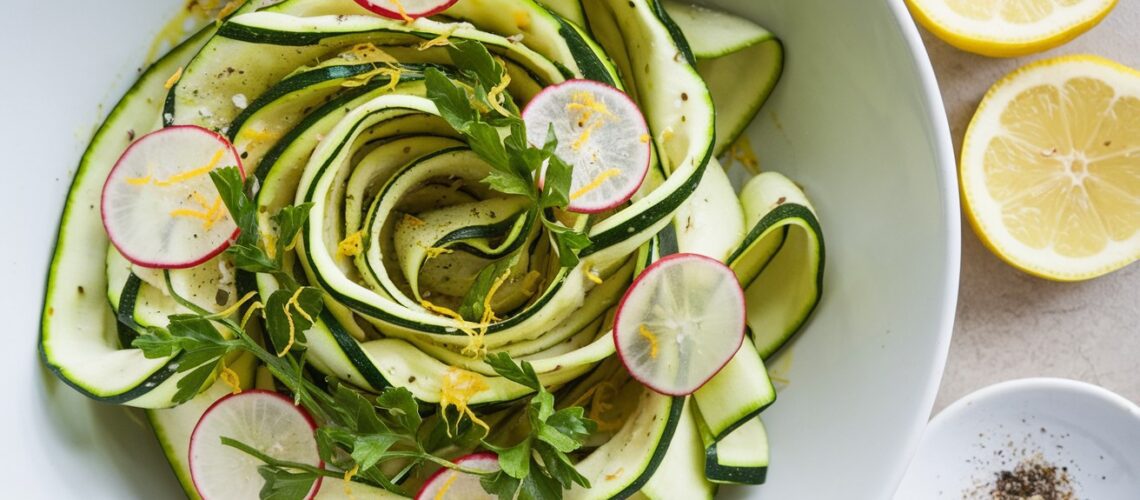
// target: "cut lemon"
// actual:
[[1050, 168], [1007, 28]]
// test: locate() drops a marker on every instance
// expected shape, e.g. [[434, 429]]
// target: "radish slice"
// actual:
[[264, 420], [679, 323], [601, 134], [160, 207], [447, 484], [406, 9]]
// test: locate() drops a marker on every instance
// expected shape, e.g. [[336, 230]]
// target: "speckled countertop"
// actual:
[[1009, 324]]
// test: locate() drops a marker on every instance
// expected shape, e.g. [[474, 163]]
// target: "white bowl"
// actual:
[[856, 119], [1093, 433]]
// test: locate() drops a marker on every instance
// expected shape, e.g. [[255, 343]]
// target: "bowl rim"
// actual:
[[947, 171], [1012, 387]]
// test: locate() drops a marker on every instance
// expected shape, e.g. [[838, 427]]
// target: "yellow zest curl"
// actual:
[[403, 13], [444, 39], [254, 307], [232, 309], [454, 475], [173, 79], [649, 337], [348, 475], [433, 252], [496, 97], [596, 183], [456, 389], [412, 220], [592, 276], [231, 378], [190, 174], [293, 303], [229, 8], [351, 246]]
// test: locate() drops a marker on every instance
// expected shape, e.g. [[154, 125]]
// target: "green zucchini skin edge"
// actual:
[[782, 212]]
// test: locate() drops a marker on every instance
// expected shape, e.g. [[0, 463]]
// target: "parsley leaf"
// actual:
[[538, 467], [501, 141]]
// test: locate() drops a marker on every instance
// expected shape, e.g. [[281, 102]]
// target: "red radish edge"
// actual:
[[167, 265], [390, 14], [308, 418], [637, 281], [640, 117], [483, 455]]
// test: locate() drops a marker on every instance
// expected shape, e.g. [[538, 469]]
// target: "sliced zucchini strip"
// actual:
[[783, 278], [730, 50]]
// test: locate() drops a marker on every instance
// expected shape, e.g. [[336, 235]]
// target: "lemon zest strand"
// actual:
[[596, 183], [592, 276], [348, 475], [190, 174], [173, 79], [496, 96], [254, 307], [456, 389], [229, 8], [232, 309], [269, 241], [403, 13], [208, 217], [352, 245], [292, 302], [412, 220], [447, 485], [440, 41], [651, 338], [231, 378], [433, 252]]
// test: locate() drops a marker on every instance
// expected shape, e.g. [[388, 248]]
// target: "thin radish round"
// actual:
[[679, 323], [264, 420], [601, 134], [160, 207], [406, 9], [448, 484]]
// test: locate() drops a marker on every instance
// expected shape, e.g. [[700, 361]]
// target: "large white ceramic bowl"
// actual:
[[856, 119]]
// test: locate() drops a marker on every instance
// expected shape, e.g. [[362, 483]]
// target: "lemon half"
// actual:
[[1050, 168], [1006, 28]]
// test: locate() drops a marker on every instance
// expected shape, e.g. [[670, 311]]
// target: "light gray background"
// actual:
[[1012, 325]]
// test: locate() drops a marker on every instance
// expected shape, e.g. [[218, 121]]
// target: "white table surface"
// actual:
[[1012, 325]]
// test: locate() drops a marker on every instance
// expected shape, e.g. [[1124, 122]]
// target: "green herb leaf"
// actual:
[[251, 258], [506, 367], [500, 484], [572, 422], [401, 406], [559, 466], [281, 312], [485, 141], [452, 101], [472, 57], [472, 306], [157, 343], [568, 241], [243, 210], [289, 221], [515, 461], [540, 487], [281, 484], [193, 383], [368, 450], [556, 183]]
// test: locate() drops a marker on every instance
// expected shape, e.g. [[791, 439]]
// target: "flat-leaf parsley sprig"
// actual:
[[487, 117]]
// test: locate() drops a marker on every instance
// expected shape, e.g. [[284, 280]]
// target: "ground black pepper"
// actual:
[[1033, 479]]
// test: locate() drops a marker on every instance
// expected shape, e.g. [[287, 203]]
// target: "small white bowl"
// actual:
[[1090, 432]]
